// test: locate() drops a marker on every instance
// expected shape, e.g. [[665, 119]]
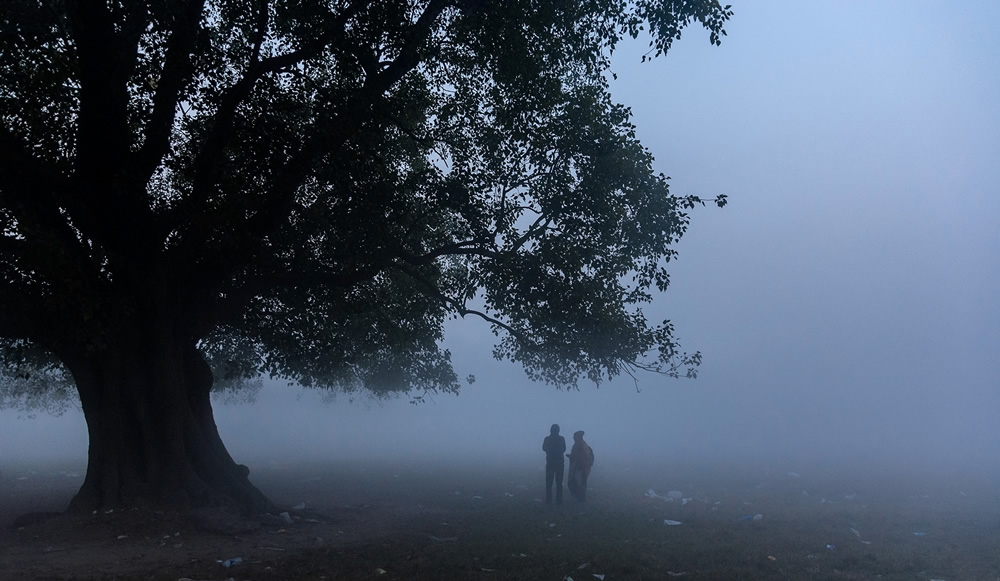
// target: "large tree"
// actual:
[[309, 189]]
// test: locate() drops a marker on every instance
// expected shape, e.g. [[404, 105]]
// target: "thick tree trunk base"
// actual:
[[153, 438]]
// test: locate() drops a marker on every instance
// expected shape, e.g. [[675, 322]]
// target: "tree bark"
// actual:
[[153, 438]]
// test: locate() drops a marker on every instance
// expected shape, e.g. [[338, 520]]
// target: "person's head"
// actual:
[[578, 436], [554, 430]]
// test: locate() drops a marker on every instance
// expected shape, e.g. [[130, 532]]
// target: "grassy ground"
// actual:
[[472, 522]]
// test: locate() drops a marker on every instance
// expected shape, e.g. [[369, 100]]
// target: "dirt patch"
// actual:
[[40, 543]]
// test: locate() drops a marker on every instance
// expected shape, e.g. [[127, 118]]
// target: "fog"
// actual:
[[845, 302]]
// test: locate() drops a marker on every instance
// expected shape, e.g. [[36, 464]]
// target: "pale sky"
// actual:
[[846, 302]]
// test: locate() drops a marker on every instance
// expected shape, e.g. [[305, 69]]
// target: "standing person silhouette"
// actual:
[[554, 447], [581, 459]]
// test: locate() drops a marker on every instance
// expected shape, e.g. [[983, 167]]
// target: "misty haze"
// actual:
[[843, 297]]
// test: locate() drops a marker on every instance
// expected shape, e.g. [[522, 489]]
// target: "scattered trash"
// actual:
[[920, 534], [866, 542], [671, 523], [757, 517], [120, 537], [380, 571], [685, 501], [674, 494], [772, 558], [231, 562], [487, 570], [856, 532], [850, 496], [794, 475], [598, 576], [652, 494], [299, 506], [508, 495], [552, 524], [477, 497], [584, 566], [443, 539], [677, 573], [831, 547], [286, 517]]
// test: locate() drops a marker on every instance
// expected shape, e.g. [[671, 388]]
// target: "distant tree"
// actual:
[[309, 189]]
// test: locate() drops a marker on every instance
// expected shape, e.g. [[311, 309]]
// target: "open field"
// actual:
[[486, 521]]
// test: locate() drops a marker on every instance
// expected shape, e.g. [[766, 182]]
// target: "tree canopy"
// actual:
[[309, 189]]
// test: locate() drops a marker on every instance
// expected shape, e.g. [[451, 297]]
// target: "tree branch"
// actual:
[[329, 135], [177, 68], [459, 306]]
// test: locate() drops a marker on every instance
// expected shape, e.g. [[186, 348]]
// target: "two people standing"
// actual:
[[581, 459]]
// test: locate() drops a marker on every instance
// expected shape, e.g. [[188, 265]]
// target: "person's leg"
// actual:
[[559, 479], [583, 487], [550, 473]]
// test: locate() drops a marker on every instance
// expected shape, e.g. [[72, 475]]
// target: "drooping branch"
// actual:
[[459, 307]]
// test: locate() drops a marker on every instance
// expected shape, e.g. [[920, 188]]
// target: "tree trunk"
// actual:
[[153, 438]]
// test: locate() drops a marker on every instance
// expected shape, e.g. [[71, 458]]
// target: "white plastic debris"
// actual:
[[758, 517], [794, 475], [856, 532], [231, 562], [685, 501], [508, 495], [286, 517], [675, 494], [831, 547], [299, 506], [598, 576], [677, 573], [671, 523]]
